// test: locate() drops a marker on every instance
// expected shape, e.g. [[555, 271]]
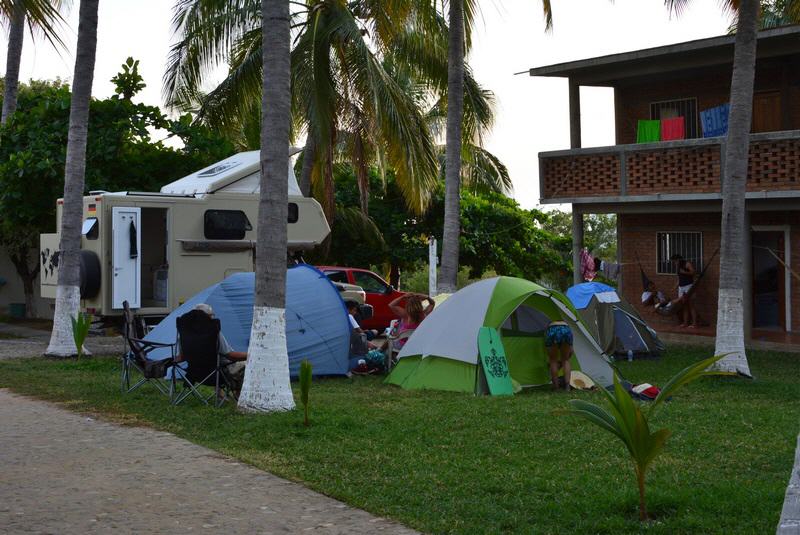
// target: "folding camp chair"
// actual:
[[199, 350], [135, 358], [392, 349]]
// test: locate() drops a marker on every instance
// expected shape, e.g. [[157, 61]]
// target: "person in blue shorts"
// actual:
[[558, 341]]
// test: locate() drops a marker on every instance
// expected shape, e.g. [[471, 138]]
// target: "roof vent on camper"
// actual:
[[217, 169]]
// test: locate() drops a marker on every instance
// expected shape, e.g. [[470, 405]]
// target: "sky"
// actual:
[[531, 113]]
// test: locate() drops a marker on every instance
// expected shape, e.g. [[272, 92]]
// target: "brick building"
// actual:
[[667, 194]]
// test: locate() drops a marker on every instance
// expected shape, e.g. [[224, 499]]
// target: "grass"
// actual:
[[454, 463]]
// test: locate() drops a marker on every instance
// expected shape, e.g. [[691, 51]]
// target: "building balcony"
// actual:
[[686, 169]]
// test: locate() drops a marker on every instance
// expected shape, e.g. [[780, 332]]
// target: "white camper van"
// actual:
[[156, 250]]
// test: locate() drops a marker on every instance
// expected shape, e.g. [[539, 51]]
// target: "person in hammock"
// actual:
[[652, 296]]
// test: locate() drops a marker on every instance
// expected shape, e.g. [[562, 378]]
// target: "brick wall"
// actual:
[[694, 170], [637, 236], [774, 165], [638, 239], [572, 176], [711, 87]]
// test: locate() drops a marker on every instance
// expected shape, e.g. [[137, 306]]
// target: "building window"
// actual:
[[225, 224], [294, 212], [685, 107], [687, 244]]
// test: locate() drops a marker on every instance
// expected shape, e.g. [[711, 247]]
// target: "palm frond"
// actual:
[[42, 16]]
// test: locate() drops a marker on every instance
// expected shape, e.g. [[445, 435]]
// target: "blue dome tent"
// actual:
[[317, 327], [614, 323]]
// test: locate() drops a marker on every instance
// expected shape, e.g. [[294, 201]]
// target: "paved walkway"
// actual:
[[790, 516], [33, 342], [66, 473]]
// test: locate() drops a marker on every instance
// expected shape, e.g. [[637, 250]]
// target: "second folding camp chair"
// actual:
[[199, 362], [135, 357]]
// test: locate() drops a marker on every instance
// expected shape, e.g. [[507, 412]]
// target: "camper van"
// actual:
[[156, 250]]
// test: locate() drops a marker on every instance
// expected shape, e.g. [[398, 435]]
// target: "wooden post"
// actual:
[[574, 115], [577, 245]]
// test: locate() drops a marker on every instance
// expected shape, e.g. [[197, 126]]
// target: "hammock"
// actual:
[[664, 311]]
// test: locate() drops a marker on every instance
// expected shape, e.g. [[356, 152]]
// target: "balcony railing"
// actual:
[[669, 167]]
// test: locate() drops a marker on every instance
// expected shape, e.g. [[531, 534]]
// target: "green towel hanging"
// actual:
[[648, 131]]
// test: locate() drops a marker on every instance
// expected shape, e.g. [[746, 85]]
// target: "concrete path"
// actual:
[[790, 516], [64, 473], [33, 342]]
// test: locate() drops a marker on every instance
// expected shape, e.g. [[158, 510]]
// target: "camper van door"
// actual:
[[126, 244]]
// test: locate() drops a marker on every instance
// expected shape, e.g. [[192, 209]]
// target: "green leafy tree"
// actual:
[[498, 236], [628, 422], [121, 155]]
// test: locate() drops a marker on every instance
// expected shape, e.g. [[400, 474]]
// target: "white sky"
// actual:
[[532, 113]]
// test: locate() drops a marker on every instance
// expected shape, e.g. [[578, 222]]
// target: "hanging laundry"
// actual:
[[715, 120], [611, 270], [672, 129], [648, 131], [587, 265]]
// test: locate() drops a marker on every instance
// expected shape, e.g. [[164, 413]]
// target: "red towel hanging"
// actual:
[[672, 129]]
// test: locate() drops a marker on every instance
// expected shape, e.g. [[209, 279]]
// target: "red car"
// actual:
[[379, 292]]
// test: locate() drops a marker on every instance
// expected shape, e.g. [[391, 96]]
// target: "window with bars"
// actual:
[[687, 244], [685, 107]]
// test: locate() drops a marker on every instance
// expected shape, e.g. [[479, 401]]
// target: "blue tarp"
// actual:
[[317, 327], [581, 294]]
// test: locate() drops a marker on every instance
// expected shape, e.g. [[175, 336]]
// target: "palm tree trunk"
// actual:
[[329, 188], [362, 175], [68, 291], [266, 382], [16, 36], [455, 112], [309, 157], [642, 503], [730, 315]]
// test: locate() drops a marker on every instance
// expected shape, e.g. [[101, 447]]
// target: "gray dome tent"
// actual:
[[613, 322]]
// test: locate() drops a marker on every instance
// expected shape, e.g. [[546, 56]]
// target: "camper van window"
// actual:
[[90, 228], [294, 212], [225, 224]]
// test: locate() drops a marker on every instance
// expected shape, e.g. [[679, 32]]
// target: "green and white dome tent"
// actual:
[[442, 354]]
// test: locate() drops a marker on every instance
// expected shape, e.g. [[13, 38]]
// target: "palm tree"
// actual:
[[460, 11], [68, 290], [266, 383], [776, 13], [344, 93], [42, 15], [730, 307]]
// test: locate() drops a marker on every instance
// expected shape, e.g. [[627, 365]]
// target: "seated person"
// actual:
[[653, 296], [233, 362], [411, 313], [352, 312]]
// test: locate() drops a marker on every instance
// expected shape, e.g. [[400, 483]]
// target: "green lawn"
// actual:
[[453, 463]]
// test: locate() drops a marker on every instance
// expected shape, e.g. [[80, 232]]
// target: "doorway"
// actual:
[[769, 279], [154, 257]]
